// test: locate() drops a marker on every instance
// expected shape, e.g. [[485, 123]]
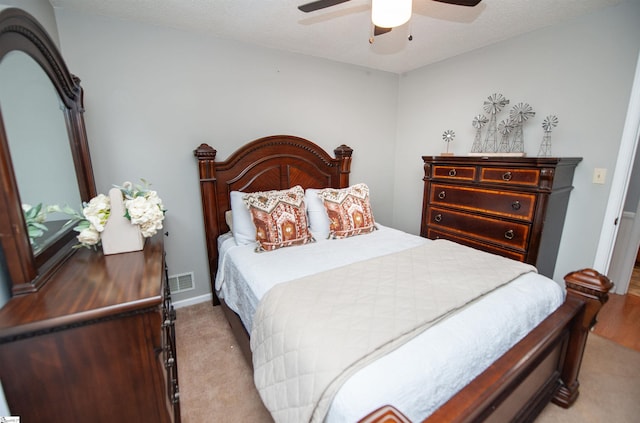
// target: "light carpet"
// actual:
[[216, 383]]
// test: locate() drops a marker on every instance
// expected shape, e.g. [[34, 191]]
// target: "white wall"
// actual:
[[39, 9], [580, 71], [154, 94]]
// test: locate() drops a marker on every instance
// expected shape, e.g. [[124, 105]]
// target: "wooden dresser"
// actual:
[[514, 207], [95, 344]]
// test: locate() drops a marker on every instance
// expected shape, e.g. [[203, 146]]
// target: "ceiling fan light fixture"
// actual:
[[390, 13]]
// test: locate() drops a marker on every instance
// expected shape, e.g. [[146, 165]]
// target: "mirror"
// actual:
[[41, 154], [44, 154]]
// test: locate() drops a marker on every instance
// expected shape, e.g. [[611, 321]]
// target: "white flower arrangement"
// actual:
[[143, 207]]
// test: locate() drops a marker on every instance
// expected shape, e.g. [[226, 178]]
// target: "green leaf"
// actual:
[[37, 225], [34, 232]]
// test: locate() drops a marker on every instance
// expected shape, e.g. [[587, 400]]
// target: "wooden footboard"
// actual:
[[543, 366]]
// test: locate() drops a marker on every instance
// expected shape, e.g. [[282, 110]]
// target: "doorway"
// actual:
[[620, 232], [618, 248], [627, 244]]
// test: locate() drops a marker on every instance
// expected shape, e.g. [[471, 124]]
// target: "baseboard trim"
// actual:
[[192, 301]]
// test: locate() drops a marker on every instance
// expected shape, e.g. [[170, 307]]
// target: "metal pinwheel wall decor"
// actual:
[[505, 138], [447, 137], [548, 124]]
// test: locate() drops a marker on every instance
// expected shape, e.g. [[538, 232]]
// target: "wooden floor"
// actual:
[[619, 319]]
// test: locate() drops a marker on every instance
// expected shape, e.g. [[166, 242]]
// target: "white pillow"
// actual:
[[243, 229], [228, 217], [318, 217]]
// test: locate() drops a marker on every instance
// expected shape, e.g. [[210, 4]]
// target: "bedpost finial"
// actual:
[[589, 281], [343, 151], [205, 152], [343, 154], [593, 288]]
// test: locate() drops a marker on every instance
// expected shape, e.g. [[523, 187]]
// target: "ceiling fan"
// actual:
[[385, 15]]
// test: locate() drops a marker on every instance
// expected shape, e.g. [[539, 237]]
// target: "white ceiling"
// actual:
[[341, 33]]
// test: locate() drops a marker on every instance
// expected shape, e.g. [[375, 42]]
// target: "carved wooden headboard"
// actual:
[[274, 162]]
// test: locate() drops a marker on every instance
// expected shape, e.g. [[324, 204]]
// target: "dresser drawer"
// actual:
[[463, 173], [515, 205], [508, 234], [510, 176], [435, 234]]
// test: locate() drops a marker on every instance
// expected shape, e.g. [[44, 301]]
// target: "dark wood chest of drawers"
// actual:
[[514, 207], [95, 344]]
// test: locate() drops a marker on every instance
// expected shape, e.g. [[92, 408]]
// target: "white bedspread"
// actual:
[[252, 281], [457, 348]]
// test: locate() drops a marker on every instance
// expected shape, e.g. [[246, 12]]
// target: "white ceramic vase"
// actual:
[[119, 235]]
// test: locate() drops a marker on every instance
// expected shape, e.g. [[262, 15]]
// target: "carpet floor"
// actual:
[[216, 383]]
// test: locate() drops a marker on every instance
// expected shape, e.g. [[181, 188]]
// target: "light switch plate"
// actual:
[[599, 175]]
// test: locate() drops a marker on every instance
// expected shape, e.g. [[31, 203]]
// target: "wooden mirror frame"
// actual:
[[19, 31]]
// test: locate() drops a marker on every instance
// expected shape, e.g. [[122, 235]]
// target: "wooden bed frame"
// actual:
[[542, 367]]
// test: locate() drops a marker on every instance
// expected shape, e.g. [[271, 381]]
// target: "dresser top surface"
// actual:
[[503, 160], [89, 285]]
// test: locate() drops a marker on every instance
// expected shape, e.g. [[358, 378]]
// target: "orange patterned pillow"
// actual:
[[349, 210], [280, 218]]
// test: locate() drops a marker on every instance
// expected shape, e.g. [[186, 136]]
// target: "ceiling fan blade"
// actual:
[[470, 3], [320, 4], [378, 30]]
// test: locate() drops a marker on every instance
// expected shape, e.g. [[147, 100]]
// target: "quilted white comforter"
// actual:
[[311, 334]]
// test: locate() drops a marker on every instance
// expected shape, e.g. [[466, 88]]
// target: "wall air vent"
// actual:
[[180, 283]]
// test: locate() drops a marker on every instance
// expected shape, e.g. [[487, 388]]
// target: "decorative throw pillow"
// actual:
[[280, 218], [349, 210]]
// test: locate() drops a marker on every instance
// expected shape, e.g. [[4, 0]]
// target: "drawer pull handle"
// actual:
[[452, 172], [438, 217], [441, 195], [509, 234], [516, 205], [506, 176]]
